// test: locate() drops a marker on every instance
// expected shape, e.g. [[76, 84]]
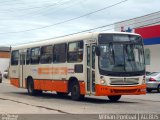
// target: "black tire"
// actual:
[[149, 90], [31, 90], [75, 92], [30, 87], [0, 80], [114, 98], [158, 88]]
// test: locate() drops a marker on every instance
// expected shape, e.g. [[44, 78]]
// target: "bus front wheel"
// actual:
[[75, 92], [114, 98], [158, 88]]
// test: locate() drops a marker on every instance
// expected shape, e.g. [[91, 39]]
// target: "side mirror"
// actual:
[[97, 50]]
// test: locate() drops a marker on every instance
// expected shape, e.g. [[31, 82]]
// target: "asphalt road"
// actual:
[[16, 101]]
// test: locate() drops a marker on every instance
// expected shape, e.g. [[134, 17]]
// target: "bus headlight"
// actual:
[[102, 80], [143, 81]]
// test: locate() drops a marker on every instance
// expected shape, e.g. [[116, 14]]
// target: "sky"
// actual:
[[25, 21]]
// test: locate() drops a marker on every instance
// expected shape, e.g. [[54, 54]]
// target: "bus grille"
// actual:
[[124, 81]]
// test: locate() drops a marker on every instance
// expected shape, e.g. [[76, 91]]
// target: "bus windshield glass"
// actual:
[[120, 54]]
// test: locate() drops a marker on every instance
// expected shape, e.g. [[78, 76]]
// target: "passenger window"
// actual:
[[28, 57], [14, 57], [35, 55], [59, 53], [46, 54], [75, 52]]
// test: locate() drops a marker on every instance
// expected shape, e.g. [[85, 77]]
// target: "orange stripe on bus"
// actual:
[[47, 71], [14, 81], [82, 88], [56, 85], [44, 71], [51, 85]]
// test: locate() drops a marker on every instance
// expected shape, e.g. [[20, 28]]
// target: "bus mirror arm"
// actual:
[[97, 50]]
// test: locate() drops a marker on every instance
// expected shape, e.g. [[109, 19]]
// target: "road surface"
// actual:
[[16, 101]]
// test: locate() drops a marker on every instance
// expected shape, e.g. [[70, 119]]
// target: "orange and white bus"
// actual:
[[98, 64]]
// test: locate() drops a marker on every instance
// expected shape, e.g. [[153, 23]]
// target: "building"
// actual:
[[148, 27], [4, 58]]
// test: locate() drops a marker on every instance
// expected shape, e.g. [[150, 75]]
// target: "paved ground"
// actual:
[[16, 101]]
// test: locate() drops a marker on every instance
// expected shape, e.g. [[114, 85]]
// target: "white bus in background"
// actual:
[[98, 64]]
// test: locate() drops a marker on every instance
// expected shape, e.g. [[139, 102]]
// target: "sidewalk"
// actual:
[[10, 107]]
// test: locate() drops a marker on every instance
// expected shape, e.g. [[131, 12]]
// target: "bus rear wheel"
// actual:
[[75, 92], [30, 88], [114, 98]]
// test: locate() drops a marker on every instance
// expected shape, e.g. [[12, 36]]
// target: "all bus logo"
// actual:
[[54, 70], [59, 70]]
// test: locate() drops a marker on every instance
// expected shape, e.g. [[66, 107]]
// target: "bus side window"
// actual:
[[35, 55], [28, 57], [14, 57], [75, 51], [46, 54], [59, 53]]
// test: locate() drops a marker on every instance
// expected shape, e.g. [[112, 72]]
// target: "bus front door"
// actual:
[[91, 68], [21, 70]]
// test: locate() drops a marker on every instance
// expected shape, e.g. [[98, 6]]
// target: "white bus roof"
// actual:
[[69, 38]]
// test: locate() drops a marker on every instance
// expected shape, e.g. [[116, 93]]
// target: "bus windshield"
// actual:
[[120, 56]]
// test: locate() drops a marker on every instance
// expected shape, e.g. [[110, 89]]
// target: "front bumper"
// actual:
[[120, 90]]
